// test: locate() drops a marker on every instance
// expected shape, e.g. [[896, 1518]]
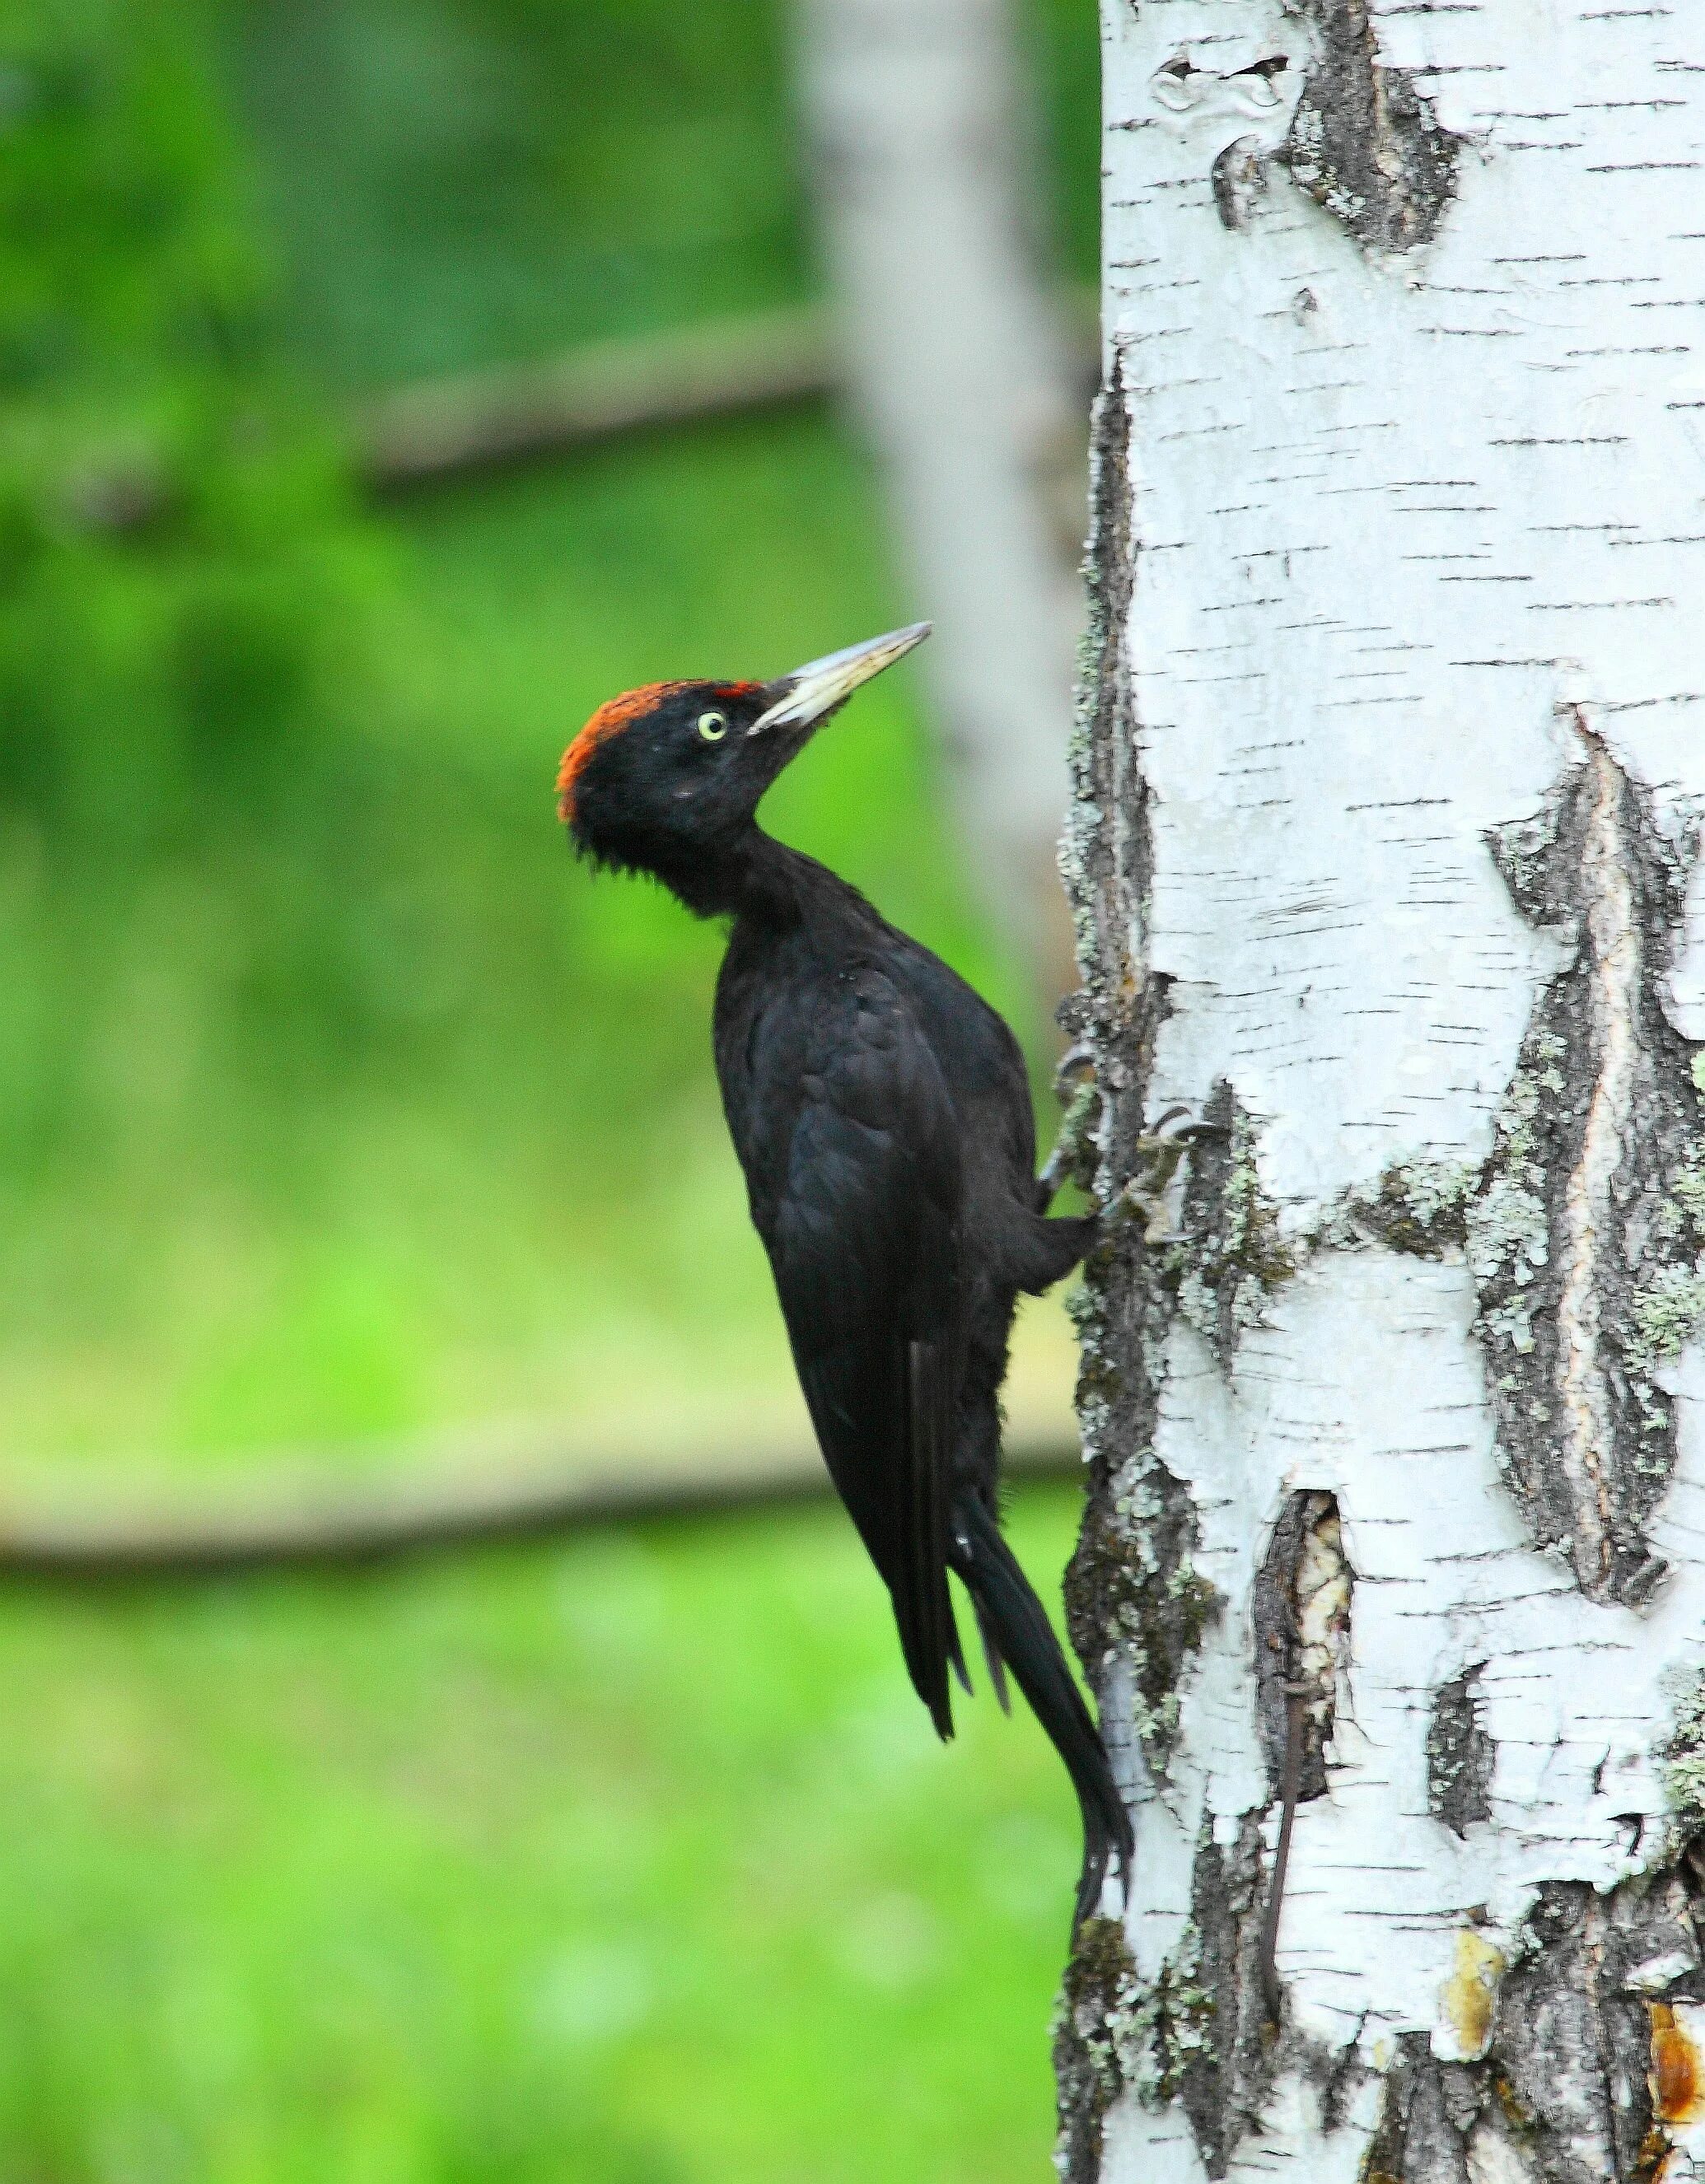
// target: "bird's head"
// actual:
[[665, 779]]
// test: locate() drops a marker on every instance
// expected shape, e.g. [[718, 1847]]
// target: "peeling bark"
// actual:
[[1584, 2073], [1301, 1616], [1383, 858], [1588, 1222]]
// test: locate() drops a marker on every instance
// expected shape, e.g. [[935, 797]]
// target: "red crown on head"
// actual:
[[610, 720]]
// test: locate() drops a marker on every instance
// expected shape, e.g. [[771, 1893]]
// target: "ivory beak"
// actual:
[[806, 696]]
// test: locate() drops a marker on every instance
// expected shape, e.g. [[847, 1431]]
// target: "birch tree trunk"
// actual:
[[1383, 855]]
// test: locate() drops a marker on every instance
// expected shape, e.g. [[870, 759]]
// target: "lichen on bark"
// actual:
[[1683, 1755], [1132, 1592], [1090, 2027], [1418, 1207], [1194, 2033], [1232, 1256]]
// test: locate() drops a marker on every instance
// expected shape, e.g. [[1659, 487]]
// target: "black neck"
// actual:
[[752, 875]]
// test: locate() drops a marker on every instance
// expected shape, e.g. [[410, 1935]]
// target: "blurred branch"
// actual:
[[446, 426], [303, 1522], [455, 427]]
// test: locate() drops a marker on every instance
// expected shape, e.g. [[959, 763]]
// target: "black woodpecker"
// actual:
[[881, 1111]]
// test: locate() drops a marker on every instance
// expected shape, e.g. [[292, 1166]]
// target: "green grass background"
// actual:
[[338, 1105], [629, 1861]]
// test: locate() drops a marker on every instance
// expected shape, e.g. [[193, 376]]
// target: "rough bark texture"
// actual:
[[1383, 860]]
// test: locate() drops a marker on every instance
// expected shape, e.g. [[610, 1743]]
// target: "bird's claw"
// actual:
[[1157, 1155], [1162, 1147], [1078, 1056], [1193, 1131]]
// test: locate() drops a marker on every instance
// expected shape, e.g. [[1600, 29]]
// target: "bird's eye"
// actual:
[[713, 727]]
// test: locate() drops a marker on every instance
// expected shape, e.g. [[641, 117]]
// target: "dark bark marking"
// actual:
[[1290, 1792], [1184, 2035], [1460, 1755], [1131, 1591], [1195, 2033], [1101, 1986], [1225, 2080], [1419, 2138], [1132, 1594], [1363, 142], [1108, 854]]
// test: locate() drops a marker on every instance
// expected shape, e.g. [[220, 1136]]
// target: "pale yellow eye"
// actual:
[[713, 727]]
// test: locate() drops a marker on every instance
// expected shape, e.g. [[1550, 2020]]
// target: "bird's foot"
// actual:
[[1159, 1153], [1135, 1203]]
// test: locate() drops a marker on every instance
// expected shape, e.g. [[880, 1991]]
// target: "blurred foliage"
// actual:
[[334, 1101], [192, 822], [462, 182], [177, 698]]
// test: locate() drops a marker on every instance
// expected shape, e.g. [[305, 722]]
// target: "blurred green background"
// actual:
[[337, 1106]]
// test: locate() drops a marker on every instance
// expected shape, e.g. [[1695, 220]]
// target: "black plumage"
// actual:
[[881, 1111]]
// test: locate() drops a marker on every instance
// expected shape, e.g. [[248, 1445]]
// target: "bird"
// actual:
[[880, 1109]]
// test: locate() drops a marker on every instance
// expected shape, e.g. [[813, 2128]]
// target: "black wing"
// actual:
[[864, 1239]]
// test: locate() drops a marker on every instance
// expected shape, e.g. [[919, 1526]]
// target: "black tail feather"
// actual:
[[922, 1603], [991, 1654], [1011, 1614]]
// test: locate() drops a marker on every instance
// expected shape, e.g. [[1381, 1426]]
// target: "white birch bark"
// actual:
[[964, 383], [1383, 856]]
